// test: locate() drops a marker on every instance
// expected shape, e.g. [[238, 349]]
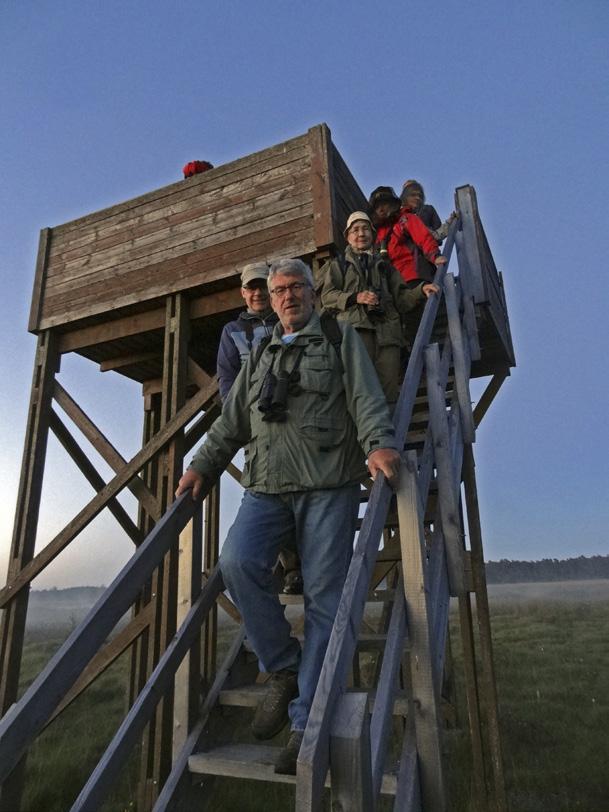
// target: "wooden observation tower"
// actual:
[[144, 288]]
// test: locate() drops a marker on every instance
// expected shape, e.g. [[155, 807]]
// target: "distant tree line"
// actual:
[[548, 569]]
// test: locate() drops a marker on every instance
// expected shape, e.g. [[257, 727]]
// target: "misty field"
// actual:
[[552, 663]]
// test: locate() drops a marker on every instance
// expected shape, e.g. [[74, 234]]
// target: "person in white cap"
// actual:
[[363, 288]]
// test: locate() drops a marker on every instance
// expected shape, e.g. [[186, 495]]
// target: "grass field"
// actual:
[[552, 665]]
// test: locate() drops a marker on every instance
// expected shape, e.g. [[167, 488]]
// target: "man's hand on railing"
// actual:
[[429, 289], [190, 479], [387, 461]]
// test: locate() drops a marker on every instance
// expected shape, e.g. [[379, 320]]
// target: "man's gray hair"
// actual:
[[291, 267]]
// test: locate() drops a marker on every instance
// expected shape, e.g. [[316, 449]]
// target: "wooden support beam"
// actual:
[[12, 628], [187, 684], [489, 394], [138, 323], [105, 448], [380, 725], [488, 686], [350, 755], [104, 658], [211, 554], [94, 478], [127, 360], [480, 798], [44, 245], [322, 184], [198, 375], [416, 588], [157, 747], [116, 484], [234, 472]]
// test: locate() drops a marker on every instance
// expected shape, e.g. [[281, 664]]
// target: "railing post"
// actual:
[[416, 589], [350, 755]]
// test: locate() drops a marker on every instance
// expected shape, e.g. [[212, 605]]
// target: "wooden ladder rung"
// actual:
[[256, 762]]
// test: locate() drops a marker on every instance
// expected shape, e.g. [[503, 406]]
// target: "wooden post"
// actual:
[[416, 588], [157, 749], [473, 703], [350, 755], [188, 677], [139, 654], [12, 630], [488, 686], [211, 549], [449, 510]]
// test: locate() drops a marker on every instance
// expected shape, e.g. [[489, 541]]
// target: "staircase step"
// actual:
[[255, 762], [375, 596], [248, 696]]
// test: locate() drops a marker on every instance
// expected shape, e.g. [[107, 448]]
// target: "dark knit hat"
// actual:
[[412, 187], [383, 194]]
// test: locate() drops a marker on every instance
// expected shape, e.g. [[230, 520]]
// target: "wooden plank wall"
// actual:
[[191, 233]]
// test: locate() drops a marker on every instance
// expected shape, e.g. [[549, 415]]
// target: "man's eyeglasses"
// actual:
[[295, 287]]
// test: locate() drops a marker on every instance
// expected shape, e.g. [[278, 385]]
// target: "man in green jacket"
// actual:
[[309, 410], [364, 289]]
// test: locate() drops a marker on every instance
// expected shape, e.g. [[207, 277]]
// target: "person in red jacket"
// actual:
[[399, 232]]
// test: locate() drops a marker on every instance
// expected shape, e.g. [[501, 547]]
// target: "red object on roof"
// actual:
[[195, 168]]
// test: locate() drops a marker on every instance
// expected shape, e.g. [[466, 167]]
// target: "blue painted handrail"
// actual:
[[27, 717]]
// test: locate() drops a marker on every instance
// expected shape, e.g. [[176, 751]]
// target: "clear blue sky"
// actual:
[[102, 101]]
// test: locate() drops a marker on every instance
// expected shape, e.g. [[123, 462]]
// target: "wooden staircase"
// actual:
[[423, 558], [375, 727]]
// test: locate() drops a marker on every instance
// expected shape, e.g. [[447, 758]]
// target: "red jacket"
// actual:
[[407, 231]]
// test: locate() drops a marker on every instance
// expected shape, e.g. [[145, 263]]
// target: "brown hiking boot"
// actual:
[[272, 711], [293, 583], [287, 758]]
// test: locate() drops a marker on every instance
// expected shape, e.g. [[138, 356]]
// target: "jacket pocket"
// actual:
[[325, 432], [316, 372]]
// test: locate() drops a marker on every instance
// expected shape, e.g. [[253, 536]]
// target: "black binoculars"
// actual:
[[274, 395], [376, 312]]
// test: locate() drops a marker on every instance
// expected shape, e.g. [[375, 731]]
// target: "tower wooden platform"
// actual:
[[143, 288]]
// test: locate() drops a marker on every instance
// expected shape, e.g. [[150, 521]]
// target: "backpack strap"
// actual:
[[249, 333], [331, 330], [260, 348]]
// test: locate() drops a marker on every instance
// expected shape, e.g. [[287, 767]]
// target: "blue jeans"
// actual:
[[322, 525]]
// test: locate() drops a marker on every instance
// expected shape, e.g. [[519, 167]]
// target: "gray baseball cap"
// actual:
[[255, 270]]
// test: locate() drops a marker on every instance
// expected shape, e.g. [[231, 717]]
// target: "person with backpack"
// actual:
[[361, 287], [239, 338], [311, 414], [403, 237]]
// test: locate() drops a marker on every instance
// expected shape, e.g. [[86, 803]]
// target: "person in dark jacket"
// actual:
[[402, 236], [239, 337]]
